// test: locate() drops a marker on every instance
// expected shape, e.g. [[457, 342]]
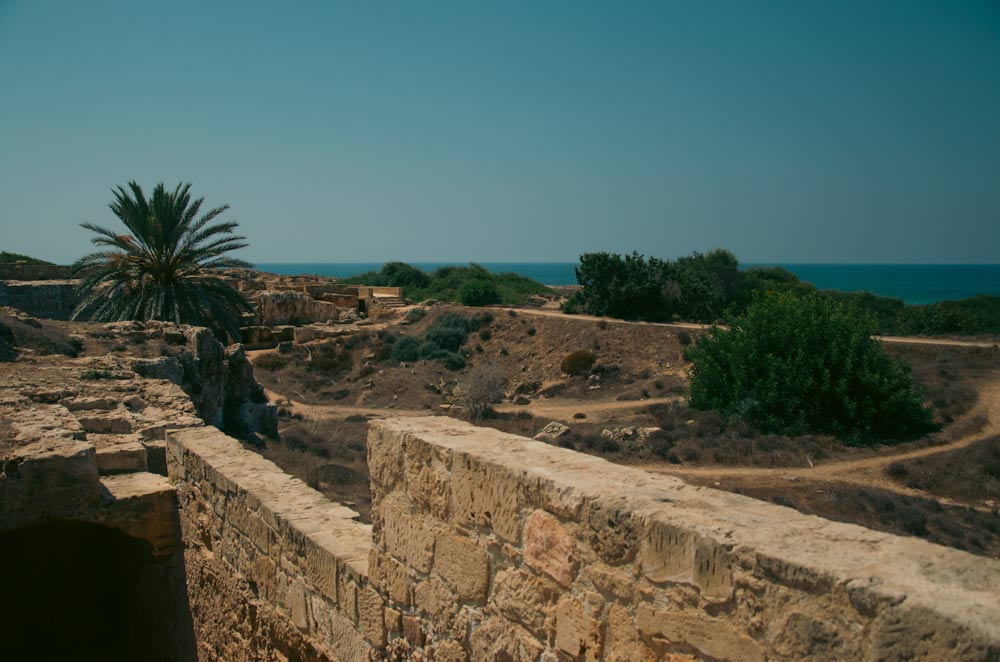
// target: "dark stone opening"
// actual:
[[74, 591]]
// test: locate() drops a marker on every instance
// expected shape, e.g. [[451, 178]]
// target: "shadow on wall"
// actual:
[[74, 590]]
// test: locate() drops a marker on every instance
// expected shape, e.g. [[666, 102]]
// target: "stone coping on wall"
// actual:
[[595, 560], [279, 496]]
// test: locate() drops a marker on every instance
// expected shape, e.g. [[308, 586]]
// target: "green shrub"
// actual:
[[405, 350], [479, 293], [416, 314], [578, 363], [796, 366], [452, 361], [480, 320], [448, 331]]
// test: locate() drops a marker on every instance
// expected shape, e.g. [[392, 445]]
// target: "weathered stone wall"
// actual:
[[496, 547], [490, 546], [15, 271], [275, 570], [49, 299]]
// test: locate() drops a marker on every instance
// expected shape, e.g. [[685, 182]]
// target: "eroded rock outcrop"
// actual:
[[219, 380]]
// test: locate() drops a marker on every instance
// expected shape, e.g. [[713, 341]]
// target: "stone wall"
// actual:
[[15, 271], [512, 549], [490, 546], [275, 570], [49, 299]]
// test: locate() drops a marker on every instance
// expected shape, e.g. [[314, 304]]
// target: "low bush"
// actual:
[[416, 314], [578, 363], [480, 389], [795, 365], [405, 350]]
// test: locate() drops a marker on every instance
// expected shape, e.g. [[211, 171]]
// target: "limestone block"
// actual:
[[548, 547], [370, 615], [435, 600], [121, 458], [622, 641], [486, 496], [390, 577], [321, 570], [449, 651], [413, 631], [407, 537], [710, 637], [578, 630], [463, 565], [525, 598], [497, 639]]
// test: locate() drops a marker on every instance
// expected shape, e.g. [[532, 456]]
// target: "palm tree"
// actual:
[[166, 268]]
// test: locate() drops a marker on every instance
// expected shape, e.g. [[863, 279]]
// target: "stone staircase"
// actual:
[[389, 301]]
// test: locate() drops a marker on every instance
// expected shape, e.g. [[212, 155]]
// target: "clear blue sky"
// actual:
[[796, 131]]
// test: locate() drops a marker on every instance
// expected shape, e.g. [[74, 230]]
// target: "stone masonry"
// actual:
[[489, 546]]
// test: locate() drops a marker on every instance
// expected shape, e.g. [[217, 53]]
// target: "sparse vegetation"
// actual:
[[415, 315], [796, 366]]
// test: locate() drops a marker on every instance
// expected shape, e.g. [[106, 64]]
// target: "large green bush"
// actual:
[[807, 365]]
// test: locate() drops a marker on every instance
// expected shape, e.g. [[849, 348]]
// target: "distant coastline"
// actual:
[[913, 283]]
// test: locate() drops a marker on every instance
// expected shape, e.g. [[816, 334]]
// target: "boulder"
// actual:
[[552, 432]]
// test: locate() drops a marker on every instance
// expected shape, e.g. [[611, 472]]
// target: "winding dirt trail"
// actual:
[[869, 470]]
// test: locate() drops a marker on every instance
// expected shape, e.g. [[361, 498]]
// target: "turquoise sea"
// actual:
[[913, 283]]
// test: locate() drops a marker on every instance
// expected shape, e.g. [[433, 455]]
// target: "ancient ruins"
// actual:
[[135, 519], [132, 521]]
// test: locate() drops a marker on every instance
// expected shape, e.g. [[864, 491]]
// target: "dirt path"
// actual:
[[868, 471], [595, 410], [907, 340], [559, 409]]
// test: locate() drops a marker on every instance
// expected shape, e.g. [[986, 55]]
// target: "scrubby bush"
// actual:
[[448, 331], [479, 293], [480, 320], [452, 361], [415, 315], [578, 363], [808, 365], [478, 390], [405, 350]]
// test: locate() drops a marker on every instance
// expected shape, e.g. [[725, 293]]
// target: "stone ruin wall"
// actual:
[[51, 299], [489, 546]]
